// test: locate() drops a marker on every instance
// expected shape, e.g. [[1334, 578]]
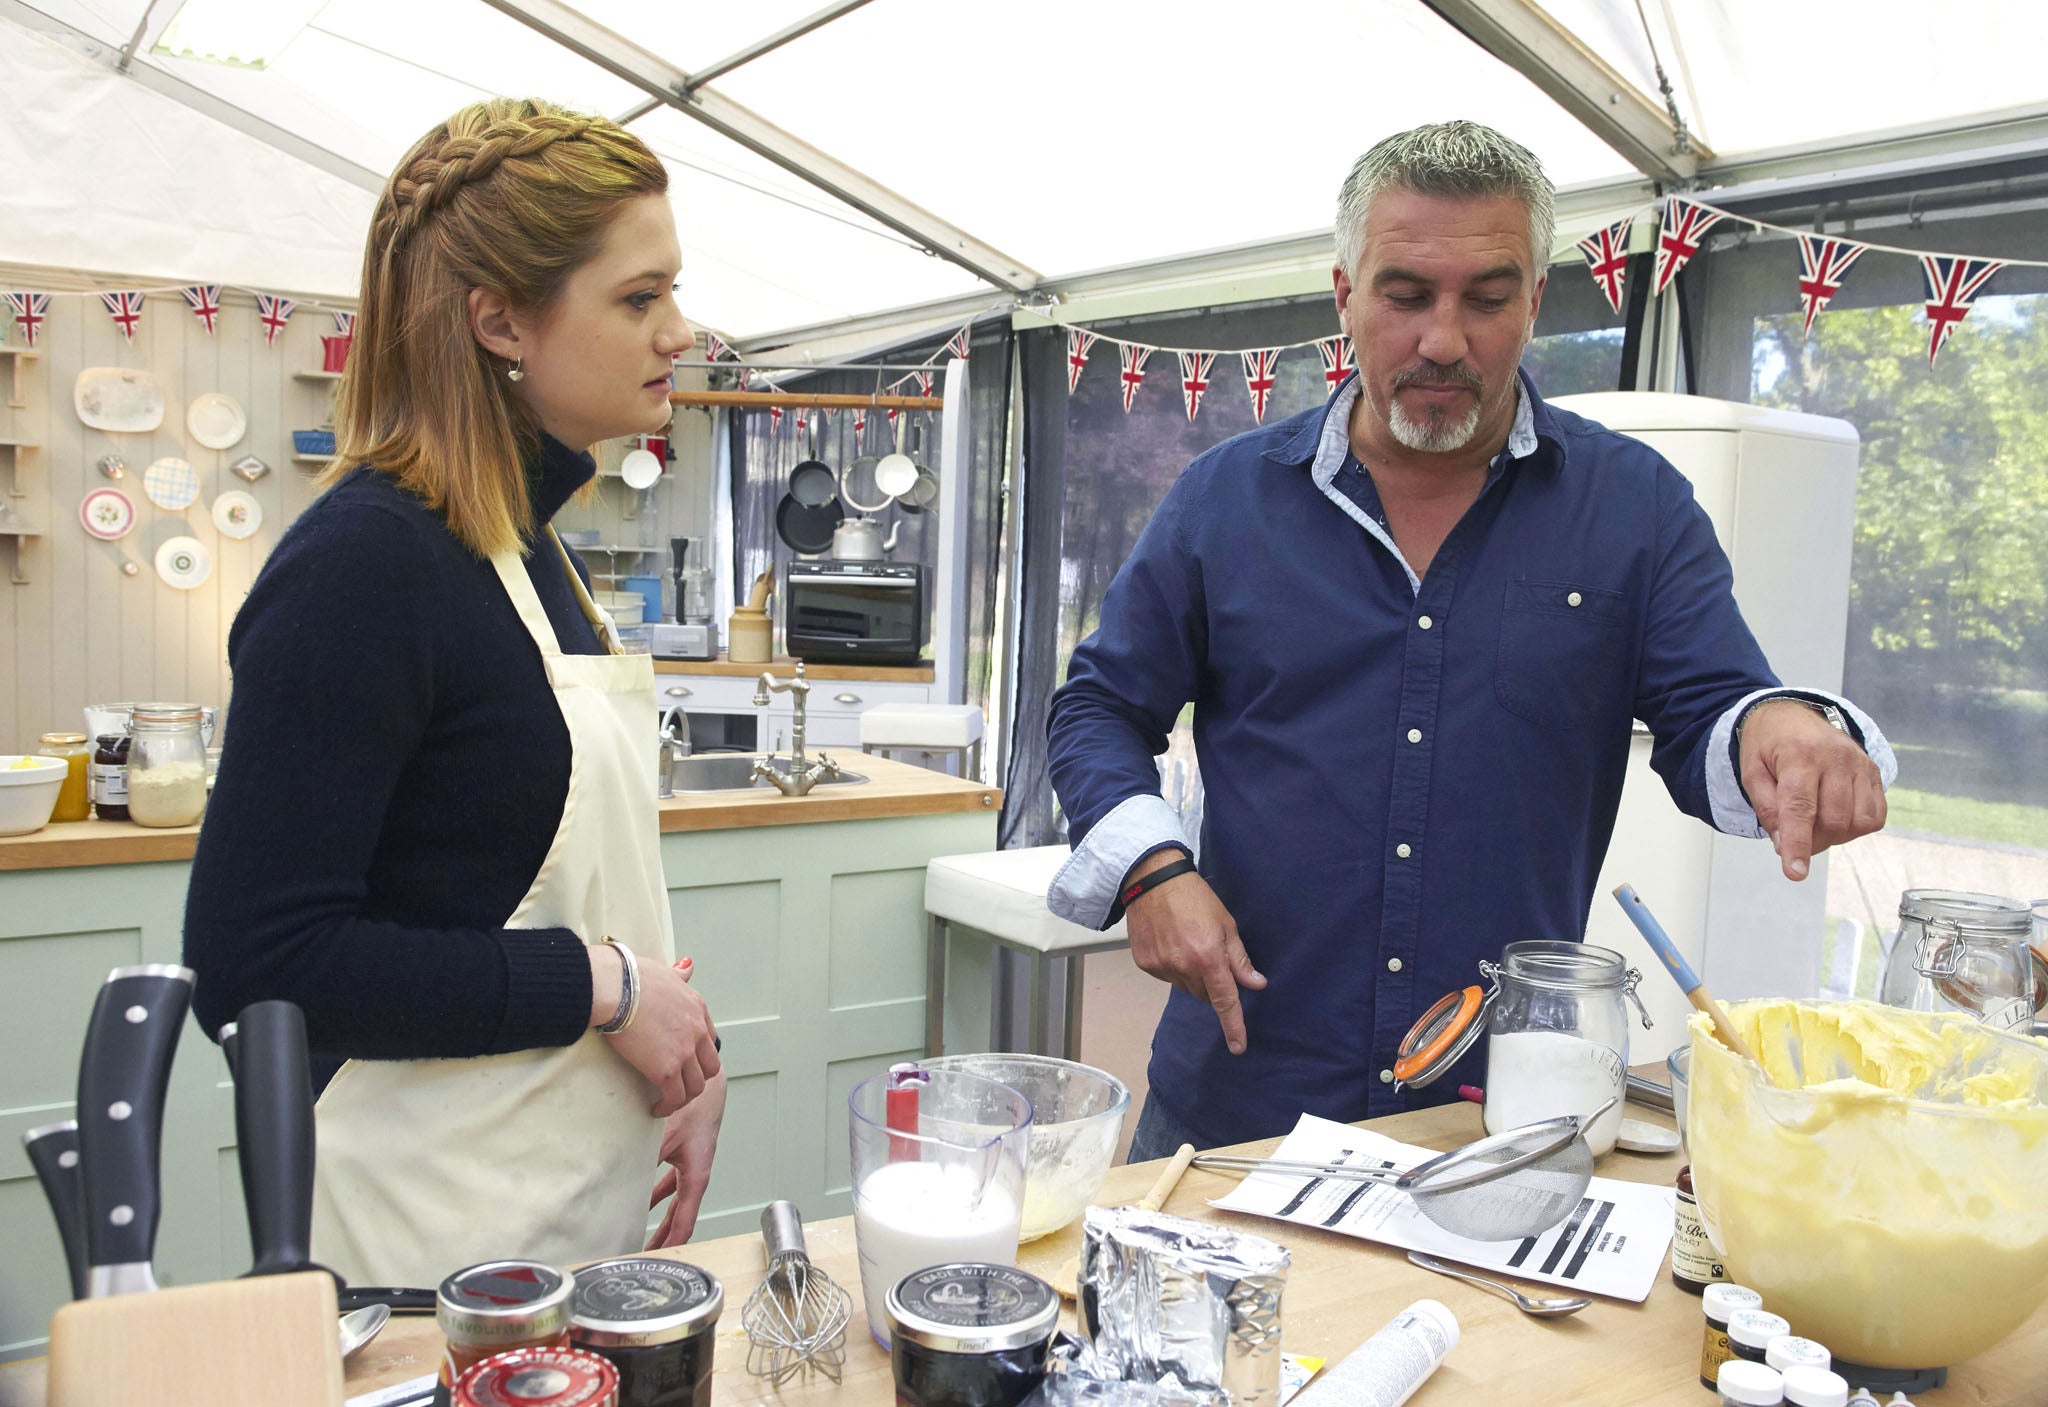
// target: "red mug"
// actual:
[[656, 445], [334, 352]]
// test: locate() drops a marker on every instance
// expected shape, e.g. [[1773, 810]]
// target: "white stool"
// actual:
[[928, 728], [1002, 893]]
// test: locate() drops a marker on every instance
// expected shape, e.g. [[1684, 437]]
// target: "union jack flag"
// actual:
[[714, 347], [924, 383], [1684, 225], [126, 309], [1606, 254], [743, 378], [345, 324], [274, 311], [774, 417], [204, 301], [1194, 378], [1078, 343], [1823, 264], [1258, 378], [1338, 360], [860, 426], [958, 345], [893, 412], [29, 311], [1133, 358], [1953, 283]]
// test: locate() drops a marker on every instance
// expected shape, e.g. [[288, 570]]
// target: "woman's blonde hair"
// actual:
[[511, 195]]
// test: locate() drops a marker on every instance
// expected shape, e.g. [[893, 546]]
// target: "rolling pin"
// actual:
[[1162, 1188]]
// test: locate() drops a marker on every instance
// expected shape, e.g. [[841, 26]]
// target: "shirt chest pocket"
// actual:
[[1564, 650]]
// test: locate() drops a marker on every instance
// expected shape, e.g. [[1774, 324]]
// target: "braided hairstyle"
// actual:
[[509, 194]]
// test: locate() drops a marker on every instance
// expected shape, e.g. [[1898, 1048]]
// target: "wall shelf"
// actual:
[[14, 448], [316, 376], [15, 356], [18, 539]]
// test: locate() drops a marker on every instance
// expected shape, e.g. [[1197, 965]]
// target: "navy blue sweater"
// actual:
[[393, 772]]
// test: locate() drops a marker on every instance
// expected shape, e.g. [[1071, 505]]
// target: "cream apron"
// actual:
[[426, 1166]]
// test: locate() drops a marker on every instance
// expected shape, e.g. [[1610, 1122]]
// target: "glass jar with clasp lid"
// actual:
[[166, 765], [1959, 951], [1556, 1023]]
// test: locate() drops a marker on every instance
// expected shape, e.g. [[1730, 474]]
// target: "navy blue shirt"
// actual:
[[393, 771], [1397, 781]]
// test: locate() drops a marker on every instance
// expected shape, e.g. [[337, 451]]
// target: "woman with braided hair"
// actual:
[[434, 827]]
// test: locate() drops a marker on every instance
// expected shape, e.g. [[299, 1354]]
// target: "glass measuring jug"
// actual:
[[938, 1176]]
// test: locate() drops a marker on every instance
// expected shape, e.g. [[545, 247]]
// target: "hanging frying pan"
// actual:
[[805, 527], [812, 483]]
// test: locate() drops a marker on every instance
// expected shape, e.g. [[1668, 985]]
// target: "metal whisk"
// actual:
[[796, 1318]]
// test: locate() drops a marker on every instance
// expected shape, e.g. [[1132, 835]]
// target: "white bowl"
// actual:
[[29, 794]]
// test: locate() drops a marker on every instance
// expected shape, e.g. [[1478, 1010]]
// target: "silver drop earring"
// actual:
[[516, 371]]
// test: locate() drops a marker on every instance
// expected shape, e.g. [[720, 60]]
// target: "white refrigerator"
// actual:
[[1780, 488]]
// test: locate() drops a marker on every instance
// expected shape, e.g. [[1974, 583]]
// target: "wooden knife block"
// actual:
[[235, 1343]]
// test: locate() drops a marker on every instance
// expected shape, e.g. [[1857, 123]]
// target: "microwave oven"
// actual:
[[837, 611]]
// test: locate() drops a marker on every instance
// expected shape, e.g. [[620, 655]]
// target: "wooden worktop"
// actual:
[[784, 665], [893, 789]]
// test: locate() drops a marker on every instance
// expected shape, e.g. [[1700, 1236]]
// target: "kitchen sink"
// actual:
[[734, 772]]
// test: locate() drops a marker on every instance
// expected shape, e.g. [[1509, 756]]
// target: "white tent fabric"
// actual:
[[1071, 135]]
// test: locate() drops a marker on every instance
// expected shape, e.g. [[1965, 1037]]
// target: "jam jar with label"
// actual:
[[970, 1335], [110, 777], [498, 1306], [652, 1319]]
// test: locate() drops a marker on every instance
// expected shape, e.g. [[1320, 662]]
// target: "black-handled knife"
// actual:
[[402, 1300], [123, 1073], [230, 1038], [274, 1134], [53, 1152]]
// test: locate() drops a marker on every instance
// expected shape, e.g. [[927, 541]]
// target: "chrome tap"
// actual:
[[673, 748], [802, 775]]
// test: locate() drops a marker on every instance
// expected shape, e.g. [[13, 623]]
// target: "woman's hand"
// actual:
[[671, 1038], [686, 1146]]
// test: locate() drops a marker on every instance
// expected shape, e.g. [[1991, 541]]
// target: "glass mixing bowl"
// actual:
[[1883, 1187], [1077, 1113]]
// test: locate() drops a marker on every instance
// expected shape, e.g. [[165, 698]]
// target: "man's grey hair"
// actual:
[[1446, 159]]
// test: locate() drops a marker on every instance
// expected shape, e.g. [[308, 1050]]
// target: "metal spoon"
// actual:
[[359, 1326], [1541, 1308]]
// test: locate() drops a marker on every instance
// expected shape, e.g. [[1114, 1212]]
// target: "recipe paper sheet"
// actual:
[[1612, 1244]]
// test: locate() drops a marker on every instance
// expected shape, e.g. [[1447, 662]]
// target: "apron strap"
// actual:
[[606, 631]]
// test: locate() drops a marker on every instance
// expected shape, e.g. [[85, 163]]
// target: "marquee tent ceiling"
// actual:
[[1069, 135]]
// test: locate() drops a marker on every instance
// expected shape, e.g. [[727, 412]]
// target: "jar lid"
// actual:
[[63, 739], [503, 1301], [539, 1377], [161, 713], [639, 1301], [970, 1307], [1755, 1328], [1740, 1380], [1815, 1387], [1729, 1298], [1559, 966], [1791, 1351], [1970, 912], [1442, 1034], [112, 740]]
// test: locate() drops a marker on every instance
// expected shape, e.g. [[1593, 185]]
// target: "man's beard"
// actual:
[[1440, 433]]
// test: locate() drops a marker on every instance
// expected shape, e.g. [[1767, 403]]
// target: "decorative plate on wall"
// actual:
[[108, 514], [237, 515], [183, 562], [118, 399], [216, 421], [171, 483], [248, 468]]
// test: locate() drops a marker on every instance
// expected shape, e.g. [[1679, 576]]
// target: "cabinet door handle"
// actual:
[[846, 698], [677, 691]]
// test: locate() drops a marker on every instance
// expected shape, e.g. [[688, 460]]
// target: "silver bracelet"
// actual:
[[629, 990]]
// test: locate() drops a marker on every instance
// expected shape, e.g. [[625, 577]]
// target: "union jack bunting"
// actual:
[[29, 311], [744, 378], [1078, 343], [126, 310], [958, 345], [1194, 378], [1338, 360], [860, 426], [924, 383], [893, 412], [1258, 378], [1606, 254], [345, 324], [1823, 264], [1953, 283], [204, 301], [714, 347], [1678, 237], [1133, 358], [774, 417], [274, 311]]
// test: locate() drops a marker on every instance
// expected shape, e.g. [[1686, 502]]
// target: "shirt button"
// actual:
[[1425, 622], [1573, 599], [1393, 964], [1414, 735], [1386, 1077], [1402, 850]]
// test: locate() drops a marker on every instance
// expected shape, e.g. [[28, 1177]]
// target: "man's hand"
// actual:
[[687, 1143], [1181, 933], [1810, 783]]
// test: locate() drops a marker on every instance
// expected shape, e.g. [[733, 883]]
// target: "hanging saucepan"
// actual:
[[807, 528], [924, 493], [812, 483], [896, 475]]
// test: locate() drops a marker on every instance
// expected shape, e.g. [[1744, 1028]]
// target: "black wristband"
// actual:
[[1173, 870]]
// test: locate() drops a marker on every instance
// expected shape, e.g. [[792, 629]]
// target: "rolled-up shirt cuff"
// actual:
[[1085, 890], [1732, 811]]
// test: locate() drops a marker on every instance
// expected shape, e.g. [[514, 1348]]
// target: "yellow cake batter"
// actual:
[[1887, 1189]]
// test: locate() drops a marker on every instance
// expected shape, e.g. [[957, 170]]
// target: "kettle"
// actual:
[[860, 540]]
